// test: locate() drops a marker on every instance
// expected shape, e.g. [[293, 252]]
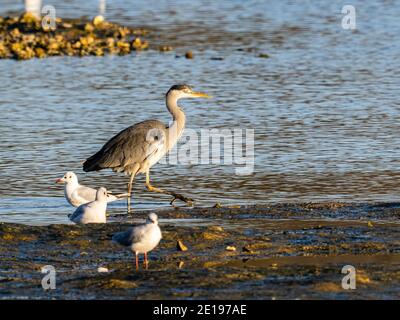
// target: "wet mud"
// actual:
[[281, 251]]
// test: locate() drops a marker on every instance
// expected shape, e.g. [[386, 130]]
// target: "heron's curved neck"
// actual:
[[176, 128]]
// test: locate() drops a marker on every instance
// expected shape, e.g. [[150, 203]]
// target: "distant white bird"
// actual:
[[77, 194], [92, 212], [141, 238]]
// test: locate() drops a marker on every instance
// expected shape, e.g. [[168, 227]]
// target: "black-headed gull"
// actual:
[[77, 194], [141, 238], [92, 212]]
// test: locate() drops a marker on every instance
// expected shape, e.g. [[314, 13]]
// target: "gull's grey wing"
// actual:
[[79, 211], [130, 146], [86, 193], [132, 235]]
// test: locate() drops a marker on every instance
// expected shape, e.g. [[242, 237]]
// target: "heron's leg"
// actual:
[[189, 201], [130, 192], [137, 261]]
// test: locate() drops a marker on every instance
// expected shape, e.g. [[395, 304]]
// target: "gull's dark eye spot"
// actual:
[[155, 137]]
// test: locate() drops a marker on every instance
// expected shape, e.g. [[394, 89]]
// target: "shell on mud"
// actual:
[[180, 246]]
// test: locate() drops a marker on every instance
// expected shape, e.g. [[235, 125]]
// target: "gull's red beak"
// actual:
[[60, 180]]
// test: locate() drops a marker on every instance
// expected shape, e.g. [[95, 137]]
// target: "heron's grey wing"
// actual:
[[86, 193], [130, 146]]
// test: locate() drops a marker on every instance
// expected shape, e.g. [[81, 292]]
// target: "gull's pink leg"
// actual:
[[137, 261], [146, 263]]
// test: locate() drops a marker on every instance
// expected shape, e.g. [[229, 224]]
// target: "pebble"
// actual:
[[189, 55]]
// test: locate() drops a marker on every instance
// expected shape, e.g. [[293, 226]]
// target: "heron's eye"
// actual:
[[156, 138]]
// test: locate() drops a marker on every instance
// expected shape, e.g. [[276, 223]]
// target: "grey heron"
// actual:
[[137, 148]]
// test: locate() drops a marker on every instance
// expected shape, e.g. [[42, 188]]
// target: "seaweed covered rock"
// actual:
[[24, 38]]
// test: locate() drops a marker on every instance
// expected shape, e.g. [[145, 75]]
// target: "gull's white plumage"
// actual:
[[92, 212], [77, 194], [141, 238]]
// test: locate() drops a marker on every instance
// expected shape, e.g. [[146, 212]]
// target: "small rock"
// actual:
[[8, 236], [98, 20], [29, 18], [40, 53], [100, 52], [234, 207], [370, 224], [67, 25], [264, 55], [137, 44], [230, 248], [165, 48], [215, 228], [123, 32], [89, 27], [180, 246], [189, 55]]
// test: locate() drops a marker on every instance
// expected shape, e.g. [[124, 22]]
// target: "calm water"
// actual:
[[324, 107]]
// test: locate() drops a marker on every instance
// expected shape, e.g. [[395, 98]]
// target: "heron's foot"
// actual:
[[176, 196]]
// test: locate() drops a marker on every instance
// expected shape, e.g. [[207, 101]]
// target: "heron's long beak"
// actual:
[[201, 95], [60, 180]]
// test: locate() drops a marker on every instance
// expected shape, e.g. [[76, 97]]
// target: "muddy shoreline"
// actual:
[[283, 251]]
